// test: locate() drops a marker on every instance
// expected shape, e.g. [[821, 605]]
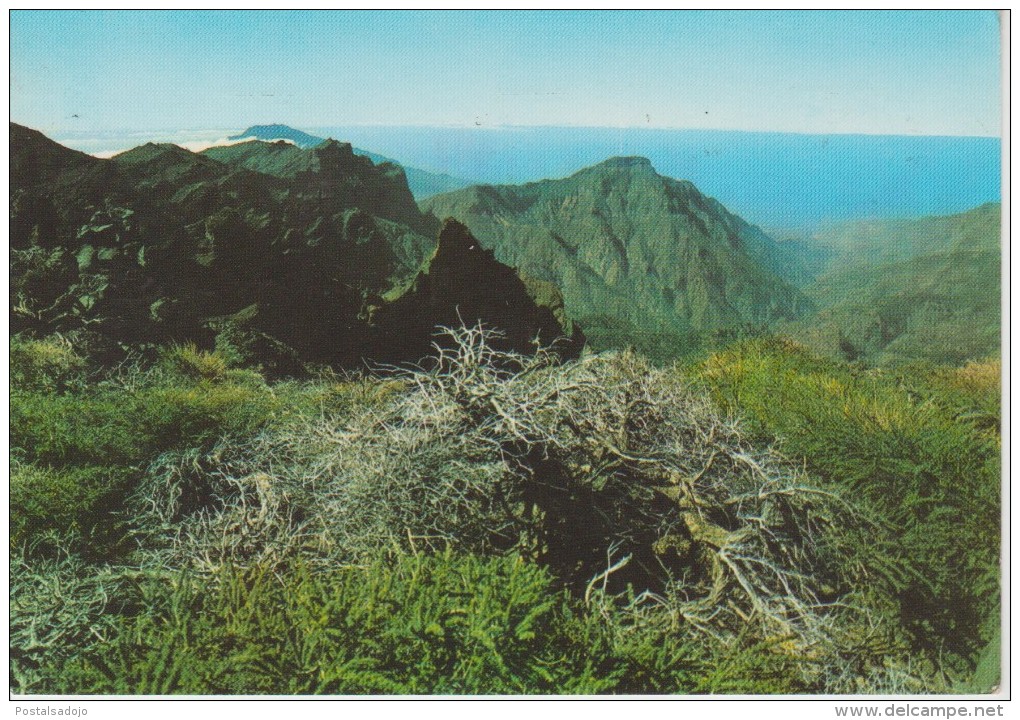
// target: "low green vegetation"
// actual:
[[81, 439], [503, 524]]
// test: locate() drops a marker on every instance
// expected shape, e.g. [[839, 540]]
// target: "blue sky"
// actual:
[[927, 73]]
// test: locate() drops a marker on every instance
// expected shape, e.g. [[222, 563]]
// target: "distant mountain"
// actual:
[[326, 259], [637, 255], [873, 242], [901, 290], [271, 133], [421, 182]]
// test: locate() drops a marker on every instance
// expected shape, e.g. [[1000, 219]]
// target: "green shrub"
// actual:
[[128, 429], [930, 481], [971, 393], [80, 453], [657, 654], [78, 501], [87, 428], [401, 625], [46, 365], [188, 361], [128, 426], [410, 625]]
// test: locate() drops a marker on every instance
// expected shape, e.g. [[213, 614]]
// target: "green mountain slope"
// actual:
[[422, 183], [852, 247], [163, 245], [637, 255], [832, 248], [332, 167], [924, 289]]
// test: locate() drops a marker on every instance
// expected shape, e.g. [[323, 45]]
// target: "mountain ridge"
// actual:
[[902, 290], [422, 183]]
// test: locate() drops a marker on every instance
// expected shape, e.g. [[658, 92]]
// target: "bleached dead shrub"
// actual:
[[607, 469]]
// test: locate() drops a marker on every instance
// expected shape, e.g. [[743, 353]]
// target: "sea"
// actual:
[[776, 180]]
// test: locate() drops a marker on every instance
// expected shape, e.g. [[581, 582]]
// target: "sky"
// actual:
[[909, 73]]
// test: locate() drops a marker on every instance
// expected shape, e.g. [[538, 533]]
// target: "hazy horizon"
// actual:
[[202, 130], [87, 141]]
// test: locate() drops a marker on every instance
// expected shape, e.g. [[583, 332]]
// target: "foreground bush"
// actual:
[[49, 365], [500, 523]]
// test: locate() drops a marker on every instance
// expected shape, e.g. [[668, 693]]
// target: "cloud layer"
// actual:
[[195, 146]]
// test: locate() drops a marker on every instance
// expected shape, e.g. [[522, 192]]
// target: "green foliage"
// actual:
[[47, 365], [973, 392], [987, 676], [407, 625], [196, 364], [656, 656], [111, 425], [849, 246], [46, 289], [929, 480], [79, 500]]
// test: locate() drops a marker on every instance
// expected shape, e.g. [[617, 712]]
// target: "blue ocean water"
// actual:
[[775, 180], [771, 179]]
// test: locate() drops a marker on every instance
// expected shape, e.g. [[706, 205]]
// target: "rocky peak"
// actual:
[[465, 284], [631, 162], [630, 248], [329, 146]]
